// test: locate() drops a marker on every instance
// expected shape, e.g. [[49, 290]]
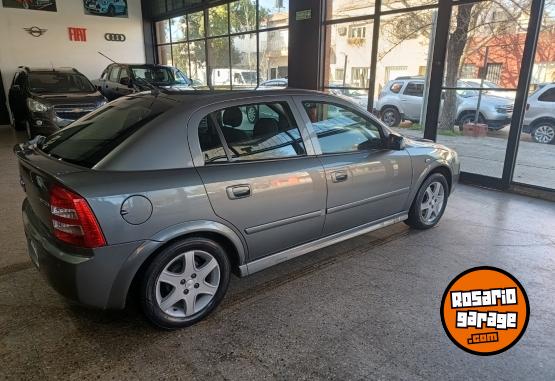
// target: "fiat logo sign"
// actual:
[[116, 37]]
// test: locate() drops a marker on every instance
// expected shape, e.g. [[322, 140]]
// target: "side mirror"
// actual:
[[395, 142]]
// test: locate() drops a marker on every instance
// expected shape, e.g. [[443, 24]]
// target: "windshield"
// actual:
[[161, 75], [56, 82], [90, 139]]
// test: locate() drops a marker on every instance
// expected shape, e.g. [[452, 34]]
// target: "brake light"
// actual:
[[73, 220]]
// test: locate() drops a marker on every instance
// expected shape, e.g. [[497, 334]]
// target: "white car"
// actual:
[[539, 119]]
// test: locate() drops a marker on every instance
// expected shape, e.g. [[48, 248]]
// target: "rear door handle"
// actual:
[[238, 191], [339, 176]]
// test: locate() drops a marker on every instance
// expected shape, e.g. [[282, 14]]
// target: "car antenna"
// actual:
[[105, 56], [153, 88]]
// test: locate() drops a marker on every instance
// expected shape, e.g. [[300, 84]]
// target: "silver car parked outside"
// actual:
[[170, 193], [539, 119]]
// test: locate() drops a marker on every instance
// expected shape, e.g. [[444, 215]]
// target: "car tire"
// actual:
[[391, 116], [252, 114], [544, 133], [433, 194], [468, 117], [172, 283]]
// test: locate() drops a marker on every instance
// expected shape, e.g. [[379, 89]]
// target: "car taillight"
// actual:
[[73, 220]]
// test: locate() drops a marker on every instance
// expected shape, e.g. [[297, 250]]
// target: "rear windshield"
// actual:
[[90, 139], [55, 82]]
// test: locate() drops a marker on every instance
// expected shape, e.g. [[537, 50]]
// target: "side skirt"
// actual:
[[297, 251]]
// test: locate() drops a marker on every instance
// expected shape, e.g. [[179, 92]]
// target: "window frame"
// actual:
[[415, 83], [196, 117], [384, 133], [541, 97]]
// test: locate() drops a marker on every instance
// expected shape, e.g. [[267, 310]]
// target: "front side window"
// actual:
[[252, 132], [396, 87], [114, 74], [341, 130]]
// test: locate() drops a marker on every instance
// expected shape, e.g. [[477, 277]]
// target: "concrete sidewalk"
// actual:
[[486, 155]]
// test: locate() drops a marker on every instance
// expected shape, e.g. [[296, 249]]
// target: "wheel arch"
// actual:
[[466, 112], [540, 120], [437, 166], [126, 284], [389, 105]]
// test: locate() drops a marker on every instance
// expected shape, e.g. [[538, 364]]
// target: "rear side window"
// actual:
[[548, 96], [252, 132], [415, 89], [90, 139]]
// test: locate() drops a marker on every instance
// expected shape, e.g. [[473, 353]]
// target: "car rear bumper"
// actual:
[[87, 276]]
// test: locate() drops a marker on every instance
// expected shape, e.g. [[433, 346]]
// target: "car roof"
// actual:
[[142, 65], [214, 96], [48, 70]]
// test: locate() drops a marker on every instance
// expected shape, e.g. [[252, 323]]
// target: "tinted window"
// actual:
[[56, 82], [114, 74], [548, 96], [91, 138], [416, 89], [256, 132], [340, 129]]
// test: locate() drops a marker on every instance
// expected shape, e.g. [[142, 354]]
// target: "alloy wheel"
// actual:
[[389, 118], [188, 283], [251, 114], [432, 202], [544, 134]]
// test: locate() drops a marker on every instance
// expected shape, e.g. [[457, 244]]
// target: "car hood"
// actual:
[[423, 143], [177, 87], [70, 98]]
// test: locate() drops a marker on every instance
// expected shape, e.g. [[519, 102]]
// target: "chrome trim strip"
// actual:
[[274, 259], [285, 221], [354, 204]]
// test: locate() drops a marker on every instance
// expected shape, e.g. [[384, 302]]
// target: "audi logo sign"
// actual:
[[117, 37]]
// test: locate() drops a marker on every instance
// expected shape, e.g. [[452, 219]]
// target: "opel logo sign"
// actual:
[[35, 31], [116, 37]]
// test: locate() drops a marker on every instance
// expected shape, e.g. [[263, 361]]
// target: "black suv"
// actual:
[[44, 100], [118, 79]]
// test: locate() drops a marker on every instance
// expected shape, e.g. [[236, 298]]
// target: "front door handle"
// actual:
[[238, 191], [339, 176]]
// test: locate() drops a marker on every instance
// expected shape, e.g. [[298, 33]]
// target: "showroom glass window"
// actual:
[[230, 46], [396, 31]]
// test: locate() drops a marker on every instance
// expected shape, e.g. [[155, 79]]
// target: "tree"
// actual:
[[482, 23], [455, 49]]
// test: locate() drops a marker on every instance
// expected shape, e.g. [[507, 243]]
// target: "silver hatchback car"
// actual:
[[171, 193]]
